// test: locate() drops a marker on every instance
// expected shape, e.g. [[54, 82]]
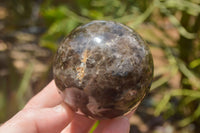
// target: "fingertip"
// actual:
[[118, 125], [79, 124], [67, 111], [54, 120]]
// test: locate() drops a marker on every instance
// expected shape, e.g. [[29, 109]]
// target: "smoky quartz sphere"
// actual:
[[104, 69]]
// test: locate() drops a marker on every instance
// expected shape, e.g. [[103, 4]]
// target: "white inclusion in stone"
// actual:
[[98, 39]]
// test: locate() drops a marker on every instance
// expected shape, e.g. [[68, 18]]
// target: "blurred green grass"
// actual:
[[171, 28]]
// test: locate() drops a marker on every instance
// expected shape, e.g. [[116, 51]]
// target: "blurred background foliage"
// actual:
[[31, 30]]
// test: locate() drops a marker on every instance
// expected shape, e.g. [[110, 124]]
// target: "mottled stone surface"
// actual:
[[104, 69]]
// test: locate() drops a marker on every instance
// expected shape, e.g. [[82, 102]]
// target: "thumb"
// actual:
[[44, 120], [53, 120]]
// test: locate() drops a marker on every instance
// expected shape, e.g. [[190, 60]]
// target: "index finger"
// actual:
[[48, 97]]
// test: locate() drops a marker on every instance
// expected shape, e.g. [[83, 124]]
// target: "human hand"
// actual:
[[47, 113]]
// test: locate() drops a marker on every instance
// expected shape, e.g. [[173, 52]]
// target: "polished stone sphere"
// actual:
[[104, 69]]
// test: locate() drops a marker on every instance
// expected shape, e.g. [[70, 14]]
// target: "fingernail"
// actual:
[[59, 109], [123, 118]]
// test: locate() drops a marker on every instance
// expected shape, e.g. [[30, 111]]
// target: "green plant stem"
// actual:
[[94, 126], [24, 85]]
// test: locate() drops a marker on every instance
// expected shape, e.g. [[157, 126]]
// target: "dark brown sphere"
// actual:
[[104, 69]]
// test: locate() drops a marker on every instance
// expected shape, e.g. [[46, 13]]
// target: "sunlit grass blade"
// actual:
[[94, 126], [24, 85], [162, 104]]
